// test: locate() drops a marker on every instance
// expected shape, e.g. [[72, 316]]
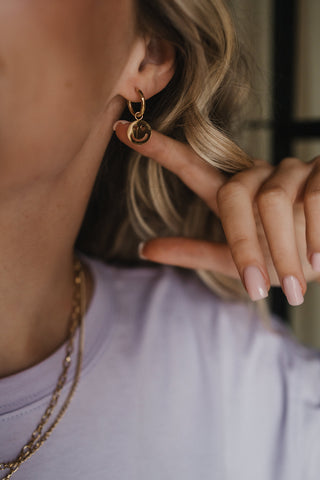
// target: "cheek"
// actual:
[[59, 61]]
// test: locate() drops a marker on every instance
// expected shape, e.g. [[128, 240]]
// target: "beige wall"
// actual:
[[256, 19], [308, 62]]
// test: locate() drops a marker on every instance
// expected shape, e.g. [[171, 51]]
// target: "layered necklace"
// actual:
[[40, 434]]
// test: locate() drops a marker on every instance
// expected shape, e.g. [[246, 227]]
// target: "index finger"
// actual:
[[203, 179]]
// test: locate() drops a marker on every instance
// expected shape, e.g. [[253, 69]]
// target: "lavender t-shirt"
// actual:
[[176, 385]]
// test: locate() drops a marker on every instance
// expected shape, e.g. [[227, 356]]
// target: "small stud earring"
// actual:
[[139, 131]]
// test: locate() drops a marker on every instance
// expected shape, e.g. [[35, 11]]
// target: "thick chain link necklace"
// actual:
[[38, 437]]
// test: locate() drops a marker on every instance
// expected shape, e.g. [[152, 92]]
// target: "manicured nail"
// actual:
[[140, 251], [292, 289], [315, 262], [255, 283], [119, 122]]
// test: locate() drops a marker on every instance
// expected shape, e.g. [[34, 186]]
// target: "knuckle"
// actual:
[[290, 162], [270, 196], [240, 244], [312, 196], [280, 256], [243, 251], [228, 191], [316, 161], [313, 162]]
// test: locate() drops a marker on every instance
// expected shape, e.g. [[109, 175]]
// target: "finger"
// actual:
[[235, 203], [312, 214], [275, 201], [203, 179], [190, 253], [205, 182]]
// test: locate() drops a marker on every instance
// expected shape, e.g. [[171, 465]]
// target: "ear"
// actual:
[[150, 67]]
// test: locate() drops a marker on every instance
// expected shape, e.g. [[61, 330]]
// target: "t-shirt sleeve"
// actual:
[[278, 383], [269, 384], [248, 393], [307, 362]]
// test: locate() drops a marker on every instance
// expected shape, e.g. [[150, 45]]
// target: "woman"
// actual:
[[168, 379]]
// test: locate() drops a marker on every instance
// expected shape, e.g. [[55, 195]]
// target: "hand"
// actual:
[[270, 216]]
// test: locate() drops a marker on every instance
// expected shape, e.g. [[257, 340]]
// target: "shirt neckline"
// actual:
[[34, 383]]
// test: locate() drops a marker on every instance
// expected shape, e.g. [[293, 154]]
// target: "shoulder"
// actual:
[[175, 302], [264, 384]]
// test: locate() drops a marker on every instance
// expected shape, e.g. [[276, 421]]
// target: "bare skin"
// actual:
[[66, 68]]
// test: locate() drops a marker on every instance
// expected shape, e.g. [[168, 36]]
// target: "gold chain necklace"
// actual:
[[76, 319]]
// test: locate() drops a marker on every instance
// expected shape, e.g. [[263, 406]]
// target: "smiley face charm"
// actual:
[[139, 132]]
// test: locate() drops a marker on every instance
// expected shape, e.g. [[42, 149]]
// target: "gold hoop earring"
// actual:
[[139, 131]]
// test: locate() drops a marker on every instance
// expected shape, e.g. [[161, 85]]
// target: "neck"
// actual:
[[38, 227], [36, 283]]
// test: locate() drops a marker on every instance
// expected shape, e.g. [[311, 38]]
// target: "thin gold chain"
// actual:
[[76, 319]]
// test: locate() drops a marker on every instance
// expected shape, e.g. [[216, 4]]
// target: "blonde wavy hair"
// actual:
[[134, 198]]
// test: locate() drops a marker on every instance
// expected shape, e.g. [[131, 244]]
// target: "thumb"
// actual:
[[190, 253]]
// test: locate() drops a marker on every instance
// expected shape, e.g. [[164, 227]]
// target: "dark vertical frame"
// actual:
[[284, 48]]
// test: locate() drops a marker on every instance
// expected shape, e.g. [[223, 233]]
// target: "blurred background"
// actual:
[[284, 119]]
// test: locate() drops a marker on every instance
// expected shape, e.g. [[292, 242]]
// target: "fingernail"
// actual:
[[140, 251], [315, 262], [292, 289], [119, 122], [255, 283]]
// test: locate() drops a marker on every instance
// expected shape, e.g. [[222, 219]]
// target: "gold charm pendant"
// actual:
[[139, 131]]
